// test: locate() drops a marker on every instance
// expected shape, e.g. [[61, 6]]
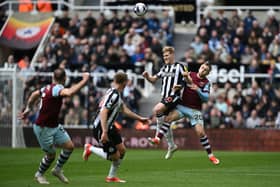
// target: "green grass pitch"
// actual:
[[147, 168]]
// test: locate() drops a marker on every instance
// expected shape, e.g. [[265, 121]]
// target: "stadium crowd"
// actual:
[[234, 41], [99, 43]]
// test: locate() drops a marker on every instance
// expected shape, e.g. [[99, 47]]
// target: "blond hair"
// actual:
[[168, 49]]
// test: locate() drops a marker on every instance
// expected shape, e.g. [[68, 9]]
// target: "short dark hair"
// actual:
[[120, 77], [207, 63], [59, 75]]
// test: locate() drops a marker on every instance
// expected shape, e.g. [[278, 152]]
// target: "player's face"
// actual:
[[203, 70], [168, 58], [123, 85]]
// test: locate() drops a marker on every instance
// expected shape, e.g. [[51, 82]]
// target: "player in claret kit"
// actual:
[[196, 91], [47, 129]]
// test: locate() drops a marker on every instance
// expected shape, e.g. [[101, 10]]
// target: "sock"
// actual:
[[44, 165], [63, 157], [160, 118], [163, 130], [114, 167], [169, 138], [99, 151], [205, 143]]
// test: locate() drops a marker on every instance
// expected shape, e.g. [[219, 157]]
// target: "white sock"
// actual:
[[159, 123], [98, 151], [169, 138], [114, 167]]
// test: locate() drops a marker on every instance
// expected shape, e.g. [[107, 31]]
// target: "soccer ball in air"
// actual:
[[140, 9]]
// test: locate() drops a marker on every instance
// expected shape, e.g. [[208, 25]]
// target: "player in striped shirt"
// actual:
[[195, 93], [110, 142], [171, 74]]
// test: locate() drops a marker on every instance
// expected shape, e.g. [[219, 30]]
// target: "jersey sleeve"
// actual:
[[182, 68], [56, 90], [42, 90], [159, 74], [204, 92], [111, 100]]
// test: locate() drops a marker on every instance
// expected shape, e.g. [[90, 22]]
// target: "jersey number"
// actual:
[[197, 117]]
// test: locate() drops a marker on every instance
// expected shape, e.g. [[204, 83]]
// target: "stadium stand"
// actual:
[[97, 43]]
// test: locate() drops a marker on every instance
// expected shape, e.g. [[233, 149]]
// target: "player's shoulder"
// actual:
[[181, 63], [112, 91]]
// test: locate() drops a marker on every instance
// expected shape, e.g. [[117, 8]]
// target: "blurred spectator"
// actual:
[[248, 21], [221, 103], [214, 42], [253, 121], [274, 47], [269, 119], [151, 57], [153, 22], [197, 45], [247, 56], [44, 6], [188, 56], [277, 121], [10, 63], [238, 121], [132, 96], [234, 21], [25, 6], [71, 118], [3, 17], [216, 117]]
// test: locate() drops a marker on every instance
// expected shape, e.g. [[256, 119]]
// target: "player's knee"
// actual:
[[122, 152], [115, 156], [168, 119], [200, 134], [69, 146]]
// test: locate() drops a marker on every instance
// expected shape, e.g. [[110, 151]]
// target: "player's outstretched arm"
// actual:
[[31, 100], [126, 111], [75, 88], [148, 77]]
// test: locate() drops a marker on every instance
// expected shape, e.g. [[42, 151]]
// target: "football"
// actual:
[[140, 9]]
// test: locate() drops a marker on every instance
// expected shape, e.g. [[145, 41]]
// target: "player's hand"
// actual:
[[86, 76], [145, 74], [145, 120], [24, 114], [187, 77], [104, 137], [194, 87], [177, 87]]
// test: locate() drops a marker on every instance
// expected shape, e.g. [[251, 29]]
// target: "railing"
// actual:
[[73, 7]]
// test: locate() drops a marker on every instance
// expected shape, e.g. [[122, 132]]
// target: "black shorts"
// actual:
[[170, 102], [114, 139]]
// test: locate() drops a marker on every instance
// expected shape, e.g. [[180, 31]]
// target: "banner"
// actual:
[[221, 139], [19, 34]]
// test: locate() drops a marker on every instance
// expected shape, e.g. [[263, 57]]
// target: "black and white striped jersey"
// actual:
[[171, 75], [113, 102]]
